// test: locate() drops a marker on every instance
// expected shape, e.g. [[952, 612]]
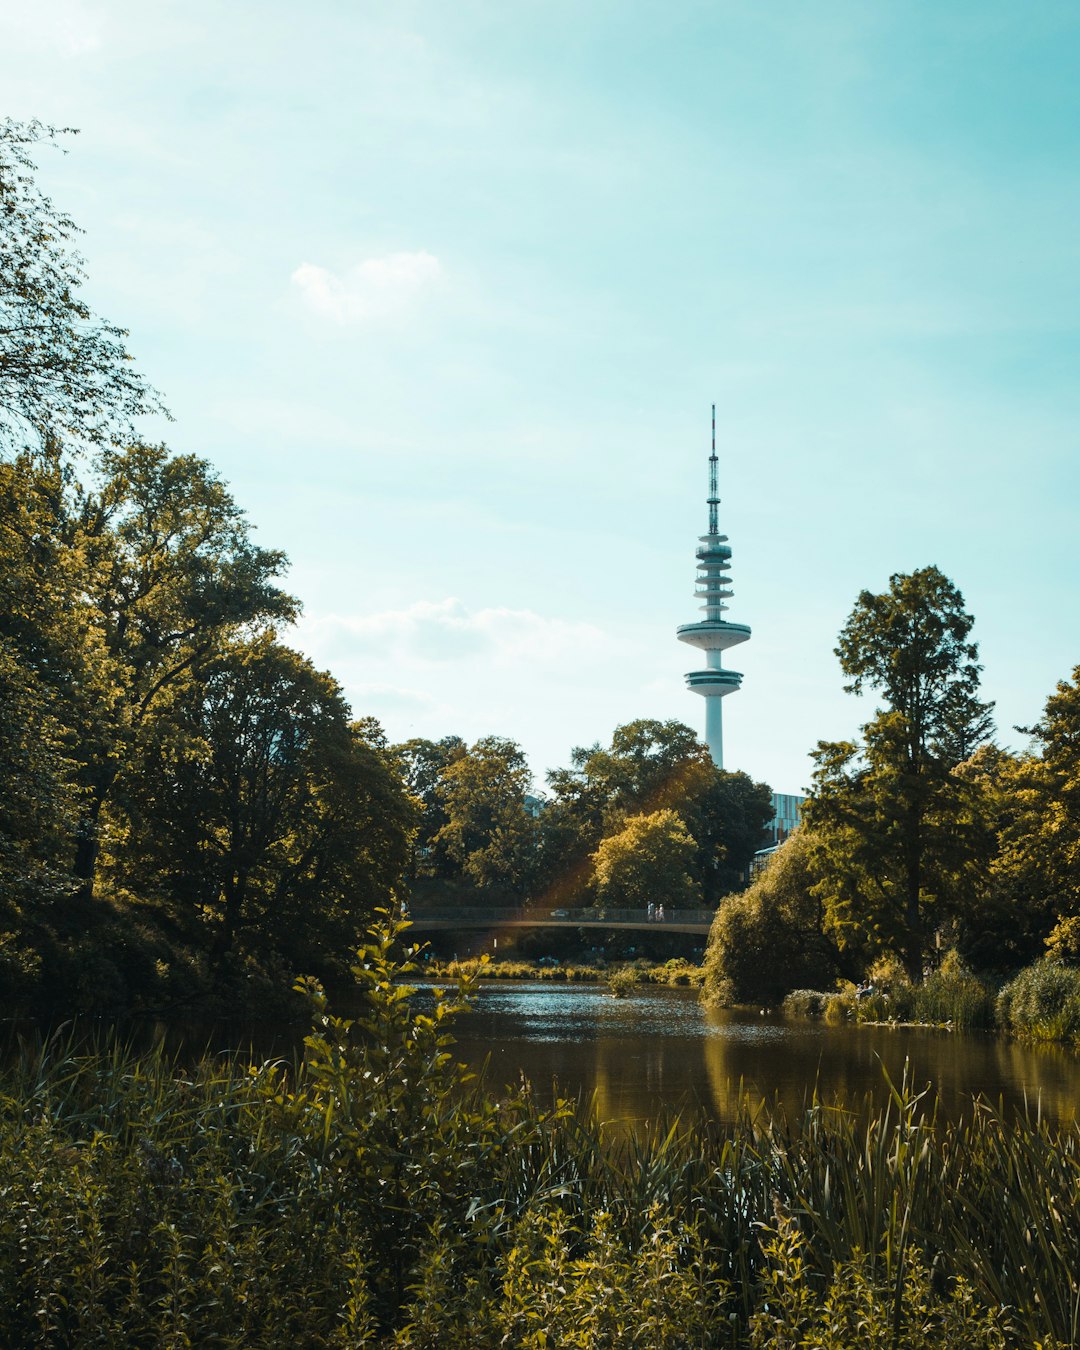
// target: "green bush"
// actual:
[[862, 1306], [768, 940], [805, 1003], [953, 995], [1042, 1002], [622, 982]]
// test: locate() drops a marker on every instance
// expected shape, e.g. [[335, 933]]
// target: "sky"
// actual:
[[446, 291]]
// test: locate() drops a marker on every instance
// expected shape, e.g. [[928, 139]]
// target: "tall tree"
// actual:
[[652, 765], [63, 370], [170, 575], [489, 833], [1038, 867], [423, 765], [256, 808], [728, 819], [891, 816]]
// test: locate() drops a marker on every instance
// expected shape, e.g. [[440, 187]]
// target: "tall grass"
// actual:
[[372, 1195], [949, 996]]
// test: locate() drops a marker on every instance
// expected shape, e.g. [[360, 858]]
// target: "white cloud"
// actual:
[[431, 632], [374, 288]]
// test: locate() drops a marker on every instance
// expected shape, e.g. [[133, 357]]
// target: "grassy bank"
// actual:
[[1041, 1003], [373, 1195], [672, 972]]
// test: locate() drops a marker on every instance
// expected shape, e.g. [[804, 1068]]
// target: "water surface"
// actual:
[[658, 1048]]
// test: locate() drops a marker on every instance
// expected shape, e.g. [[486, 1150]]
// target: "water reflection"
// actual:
[[659, 1049]]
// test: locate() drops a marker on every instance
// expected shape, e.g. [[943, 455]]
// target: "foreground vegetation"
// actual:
[[374, 1195]]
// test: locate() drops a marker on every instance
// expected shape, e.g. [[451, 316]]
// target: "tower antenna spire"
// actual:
[[714, 489]]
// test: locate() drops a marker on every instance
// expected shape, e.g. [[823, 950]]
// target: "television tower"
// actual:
[[713, 634]]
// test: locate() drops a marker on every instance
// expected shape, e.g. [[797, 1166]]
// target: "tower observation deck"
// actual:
[[713, 634]]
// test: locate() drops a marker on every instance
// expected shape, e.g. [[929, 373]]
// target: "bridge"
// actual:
[[435, 919]]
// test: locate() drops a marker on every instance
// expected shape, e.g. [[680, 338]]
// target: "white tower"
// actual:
[[714, 635]]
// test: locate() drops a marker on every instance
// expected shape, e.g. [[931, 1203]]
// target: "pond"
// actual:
[[659, 1048]]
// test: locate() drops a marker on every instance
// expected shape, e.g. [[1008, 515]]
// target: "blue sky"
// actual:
[[446, 290]]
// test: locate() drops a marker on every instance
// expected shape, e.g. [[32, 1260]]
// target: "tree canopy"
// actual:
[[895, 824], [64, 371]]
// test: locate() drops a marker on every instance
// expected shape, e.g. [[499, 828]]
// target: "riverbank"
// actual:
[[373, 1195], [1040, 1003]]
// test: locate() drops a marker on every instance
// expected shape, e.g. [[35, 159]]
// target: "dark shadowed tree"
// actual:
[[423, 765], [255, 807], [170, 576]]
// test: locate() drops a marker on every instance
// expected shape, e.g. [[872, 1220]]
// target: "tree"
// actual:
[[650, 859], [727, 819], [652, 765], [771, 938], [423, 764], [649, 765], [893, 822], [63, 370], [170, 576], [1038, 866], [488, 832], [257, 808]]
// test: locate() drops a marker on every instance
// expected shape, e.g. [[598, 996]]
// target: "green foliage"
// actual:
[[898, 831], [649, 860], [1042, 1002], [770, 939], [423, 764], [371, 1195], [1037, 870], [623, 981], [950, 996], [62, 368], [259, 811], [477, 967], [650, 766], [488, 833], [1063, 942], [859, 1307], [953, 995]]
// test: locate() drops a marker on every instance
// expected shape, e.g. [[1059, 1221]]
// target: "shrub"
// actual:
[[621, 982], [805, 1003], [862, 1305], [768, 940], [1043, 1002], [952, 994]]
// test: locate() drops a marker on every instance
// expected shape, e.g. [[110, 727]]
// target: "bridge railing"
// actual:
[[540, 914]]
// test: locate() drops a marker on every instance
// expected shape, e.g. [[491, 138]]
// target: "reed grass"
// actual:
[[373, 1194]]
